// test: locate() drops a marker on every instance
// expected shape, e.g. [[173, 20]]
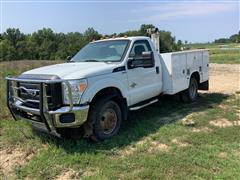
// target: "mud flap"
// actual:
[[204, 86]]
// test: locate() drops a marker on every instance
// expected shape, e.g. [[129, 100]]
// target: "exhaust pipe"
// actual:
[[154, 32]]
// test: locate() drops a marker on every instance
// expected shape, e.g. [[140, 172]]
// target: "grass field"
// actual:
[[224, 55], [167, 140]]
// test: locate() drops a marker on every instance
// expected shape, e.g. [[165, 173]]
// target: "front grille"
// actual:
[[30, 94]]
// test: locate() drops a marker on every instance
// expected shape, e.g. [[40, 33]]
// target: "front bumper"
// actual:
[[43, 118]]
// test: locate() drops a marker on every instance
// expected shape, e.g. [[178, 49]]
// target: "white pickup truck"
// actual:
[[102, 82]]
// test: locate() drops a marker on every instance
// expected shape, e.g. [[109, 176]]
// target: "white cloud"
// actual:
[[167, 11]]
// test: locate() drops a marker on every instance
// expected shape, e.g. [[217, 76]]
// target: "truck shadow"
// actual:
[[140, 123]]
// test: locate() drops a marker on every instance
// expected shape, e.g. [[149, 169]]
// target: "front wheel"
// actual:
[[106, 116], [190, 94]]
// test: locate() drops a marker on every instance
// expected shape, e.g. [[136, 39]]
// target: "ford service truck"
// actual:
[[102, 82]]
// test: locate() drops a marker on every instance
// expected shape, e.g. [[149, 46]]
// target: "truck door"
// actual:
[[143, 82]]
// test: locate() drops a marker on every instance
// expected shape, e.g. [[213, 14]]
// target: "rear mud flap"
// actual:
[[204, 86]]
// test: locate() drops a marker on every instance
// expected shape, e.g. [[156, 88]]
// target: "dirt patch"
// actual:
[[90, 172], [222, 155], [131, 149], [237, 153], [238, 114], [221, 123], [224, 78], [224, 107], [73, 174], [201, 129], [158, 146], [224, 123], [127, 151], [69, 174], [143, 141], [187, 121], [11, 157], [236, 123], [179, 143]]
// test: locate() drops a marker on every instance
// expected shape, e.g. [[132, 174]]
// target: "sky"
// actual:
[[194, 21]]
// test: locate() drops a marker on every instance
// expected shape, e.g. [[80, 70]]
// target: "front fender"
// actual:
[[98, 85]]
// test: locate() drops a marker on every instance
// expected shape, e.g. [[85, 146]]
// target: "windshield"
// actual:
[[104, 51]]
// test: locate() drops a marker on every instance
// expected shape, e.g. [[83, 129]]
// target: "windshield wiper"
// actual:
[[91, 60]]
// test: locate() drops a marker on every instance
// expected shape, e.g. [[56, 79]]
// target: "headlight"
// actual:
[[77, 88]]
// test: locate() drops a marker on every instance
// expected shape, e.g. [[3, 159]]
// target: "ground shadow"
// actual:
[[141, 123]]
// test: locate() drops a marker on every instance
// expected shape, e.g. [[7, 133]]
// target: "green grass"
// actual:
[[213, 45], [200, 158], [229, 55], [134, 153], [225, 56]]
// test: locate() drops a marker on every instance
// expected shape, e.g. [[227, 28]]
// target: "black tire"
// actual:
[[190, 94], [106, 117]]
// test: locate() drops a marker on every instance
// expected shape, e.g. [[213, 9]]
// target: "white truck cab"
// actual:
[[102, 82]]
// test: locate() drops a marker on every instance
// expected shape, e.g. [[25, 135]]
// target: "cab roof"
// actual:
[[132, 38]]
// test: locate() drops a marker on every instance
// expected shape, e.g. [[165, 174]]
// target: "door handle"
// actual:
[[157, 70]]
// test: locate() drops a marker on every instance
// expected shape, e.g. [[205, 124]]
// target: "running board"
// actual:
[[144, 105]]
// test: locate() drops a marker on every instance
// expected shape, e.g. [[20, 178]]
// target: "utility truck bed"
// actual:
[[177, 68]]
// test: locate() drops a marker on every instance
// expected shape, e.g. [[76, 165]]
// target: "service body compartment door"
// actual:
[[205, 62], [194, 62], [179, 74]]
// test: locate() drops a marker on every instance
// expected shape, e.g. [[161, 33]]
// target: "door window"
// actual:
[[139, 47], [138, 59]]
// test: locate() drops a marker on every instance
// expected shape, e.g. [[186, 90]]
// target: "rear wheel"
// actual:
[[190, 94], [106, 117]]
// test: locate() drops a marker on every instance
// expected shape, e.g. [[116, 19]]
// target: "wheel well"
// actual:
[[196, 76], [114, 94]]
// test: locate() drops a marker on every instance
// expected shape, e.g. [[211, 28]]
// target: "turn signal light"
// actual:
[[82, 87]]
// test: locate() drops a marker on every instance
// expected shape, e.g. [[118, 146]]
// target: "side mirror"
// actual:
[[147, 54], [68, 58], [146, 60], [131, 63]]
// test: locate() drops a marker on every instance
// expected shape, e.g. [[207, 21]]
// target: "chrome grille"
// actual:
[[29, 94]]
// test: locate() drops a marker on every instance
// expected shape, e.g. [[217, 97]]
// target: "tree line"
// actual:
[[235, 38], [45, 44]]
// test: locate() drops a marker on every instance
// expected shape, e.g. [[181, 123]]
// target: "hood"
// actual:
[[74, 70]]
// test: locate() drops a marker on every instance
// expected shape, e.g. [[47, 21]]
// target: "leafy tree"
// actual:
[[144, 27], [44, 41], [45, 44], [235, 38], [13, 36], [90, 34], [179, 43], [7, 51]]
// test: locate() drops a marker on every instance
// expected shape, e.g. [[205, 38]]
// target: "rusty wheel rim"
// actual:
[[108, 121]]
